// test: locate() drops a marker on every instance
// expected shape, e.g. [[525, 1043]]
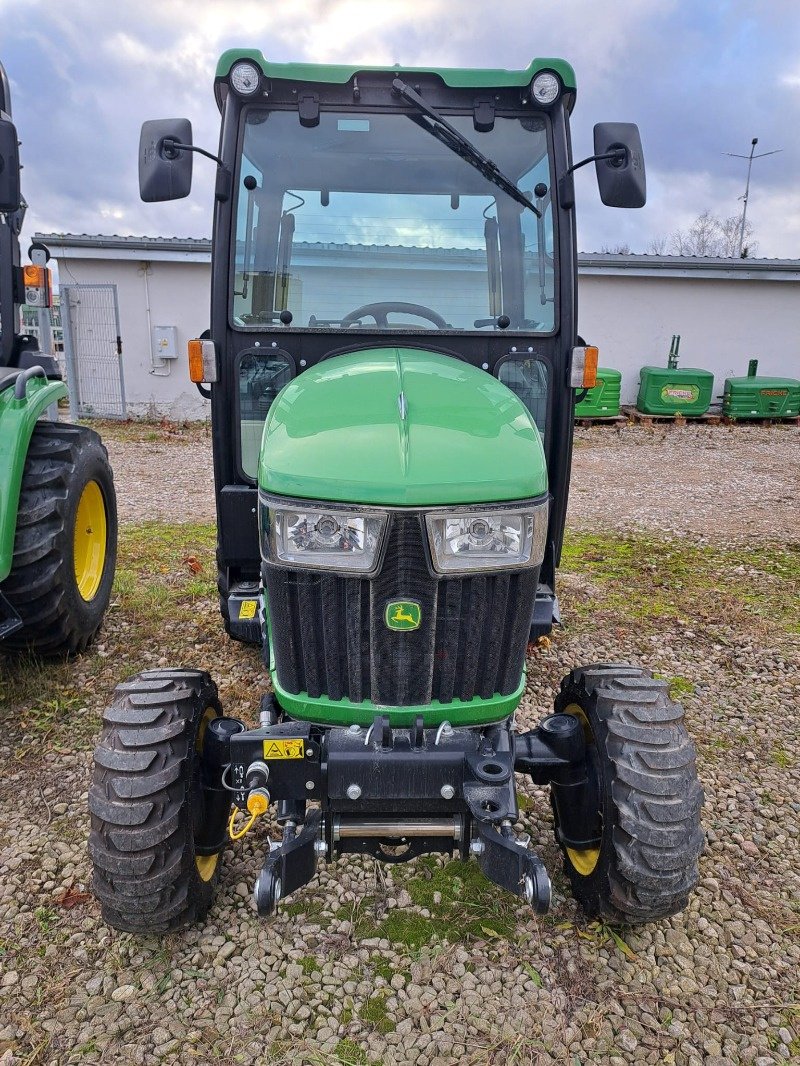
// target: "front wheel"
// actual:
[[641, 770], [153, 868]]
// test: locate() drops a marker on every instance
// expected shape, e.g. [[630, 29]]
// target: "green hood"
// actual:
[[402, 427]]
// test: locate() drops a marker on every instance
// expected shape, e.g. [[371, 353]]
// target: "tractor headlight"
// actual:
[[245, 78], [326, 539], [546, 88], [488, 540]]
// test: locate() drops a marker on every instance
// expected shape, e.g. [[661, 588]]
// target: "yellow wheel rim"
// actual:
[[206, 864], [583, 860], [90, 540], [208, 714]]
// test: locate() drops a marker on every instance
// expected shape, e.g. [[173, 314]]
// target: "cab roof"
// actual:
[[454, 77]]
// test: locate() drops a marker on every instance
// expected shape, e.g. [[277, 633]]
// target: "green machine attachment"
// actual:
[[603, 400], [670, 391], [760, 397]]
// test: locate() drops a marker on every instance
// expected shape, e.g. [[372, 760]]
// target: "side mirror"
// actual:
[[165, 172], [622, 181], [10, 195]]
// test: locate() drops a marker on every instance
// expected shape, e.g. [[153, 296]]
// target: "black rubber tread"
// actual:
[[650, 793], [145, 802], [41, 586]]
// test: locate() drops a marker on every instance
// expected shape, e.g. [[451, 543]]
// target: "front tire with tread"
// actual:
[[146, 803], [650, 796]]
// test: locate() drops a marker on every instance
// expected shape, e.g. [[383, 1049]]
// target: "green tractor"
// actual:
[[58, 517], [393, 366]]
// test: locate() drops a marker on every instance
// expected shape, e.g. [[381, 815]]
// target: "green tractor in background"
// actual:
[[58, 517], [393, 365]]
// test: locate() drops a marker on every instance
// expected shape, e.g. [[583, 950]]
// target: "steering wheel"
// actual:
[[380, 310]]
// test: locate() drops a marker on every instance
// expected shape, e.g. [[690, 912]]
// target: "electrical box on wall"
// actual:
[[165, 342]]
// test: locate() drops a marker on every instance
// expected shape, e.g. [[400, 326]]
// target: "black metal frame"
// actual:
[[397, 793], [236, 495]]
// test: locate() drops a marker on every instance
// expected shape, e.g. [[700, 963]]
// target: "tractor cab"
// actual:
[[357, 209]]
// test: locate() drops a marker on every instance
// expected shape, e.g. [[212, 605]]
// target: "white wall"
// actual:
[[179, 296], [722, 323]]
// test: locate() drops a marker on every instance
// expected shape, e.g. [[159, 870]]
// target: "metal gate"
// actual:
[[93, 350]]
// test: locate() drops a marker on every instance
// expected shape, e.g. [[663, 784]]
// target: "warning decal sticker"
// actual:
[[283, 749]]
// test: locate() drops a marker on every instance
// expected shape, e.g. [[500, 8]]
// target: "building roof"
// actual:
[[198, 250]]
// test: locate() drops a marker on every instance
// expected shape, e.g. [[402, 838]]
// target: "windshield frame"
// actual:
[[457, 110]]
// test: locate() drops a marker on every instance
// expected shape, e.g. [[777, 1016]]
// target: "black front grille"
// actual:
[[330, 637]]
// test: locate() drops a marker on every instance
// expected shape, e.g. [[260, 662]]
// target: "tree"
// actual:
[[616, 249], [708, 235], [657, 246]]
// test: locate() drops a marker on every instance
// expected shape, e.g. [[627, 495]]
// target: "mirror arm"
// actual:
[[171, 148], [619, 155]]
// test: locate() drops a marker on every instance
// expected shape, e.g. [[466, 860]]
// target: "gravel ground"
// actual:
[[341, 975], [731, 483]]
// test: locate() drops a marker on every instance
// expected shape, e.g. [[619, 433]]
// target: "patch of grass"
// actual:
[[647, 579], [680, 687], [720, 744], [163, 573], [46, 918], [91, 1047], [387, 971], [782, 758], [309, 906], [469, 907], [309, 964], [374, 1013], [139, 430], [384, 969], [349, 1053]]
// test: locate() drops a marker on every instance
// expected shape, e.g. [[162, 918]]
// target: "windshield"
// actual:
[[367, 220]]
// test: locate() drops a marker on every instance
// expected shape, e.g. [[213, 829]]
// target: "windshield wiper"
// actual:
[[458, 143]]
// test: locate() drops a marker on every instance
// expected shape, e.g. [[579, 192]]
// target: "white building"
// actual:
[[727, 311]]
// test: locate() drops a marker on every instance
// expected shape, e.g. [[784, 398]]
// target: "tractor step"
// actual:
[[244, 622]]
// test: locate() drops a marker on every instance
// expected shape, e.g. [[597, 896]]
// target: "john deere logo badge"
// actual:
[[403, 615]]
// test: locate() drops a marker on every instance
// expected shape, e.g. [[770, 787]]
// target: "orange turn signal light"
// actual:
[[202, 360], [590, 366], [196, 361], [35, 276]]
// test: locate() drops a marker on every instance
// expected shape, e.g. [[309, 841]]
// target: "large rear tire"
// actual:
[[65, 548], [641, 764], [147, 803]]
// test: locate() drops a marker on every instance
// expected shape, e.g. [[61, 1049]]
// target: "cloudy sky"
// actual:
[[700, 77]]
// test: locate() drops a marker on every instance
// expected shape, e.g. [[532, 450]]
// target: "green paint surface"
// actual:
[[602, 401], [400, 427], [455, 77], [17, 421], [761, 397], [325, 711], [667, 391]]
